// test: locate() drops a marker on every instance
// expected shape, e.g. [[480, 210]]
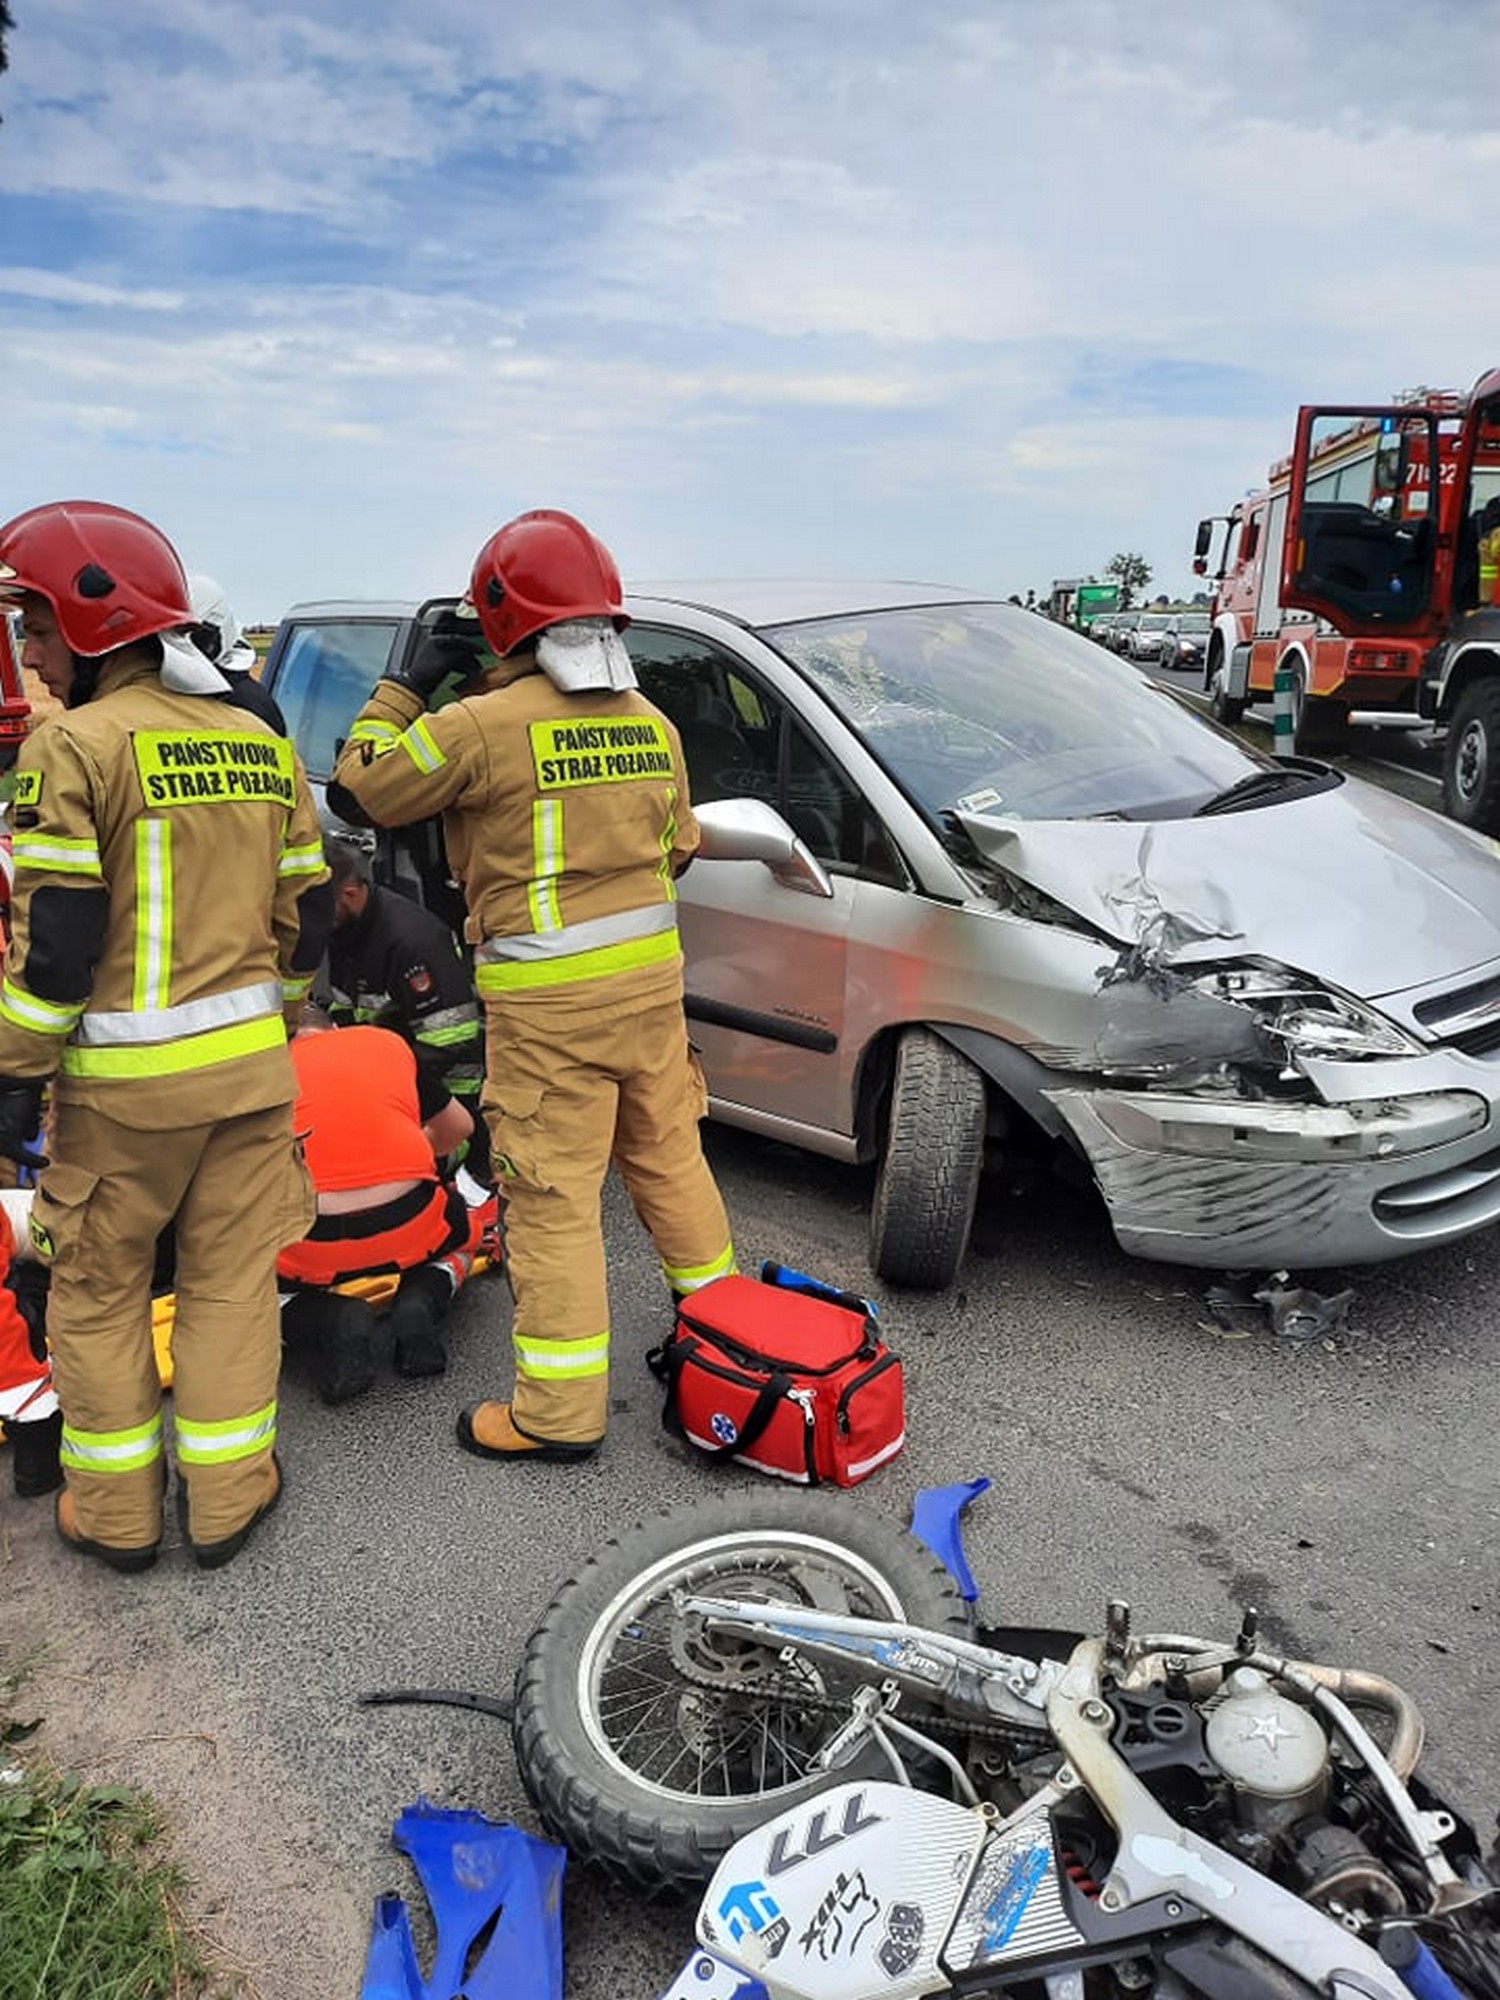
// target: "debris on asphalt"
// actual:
[[1245, 1300]]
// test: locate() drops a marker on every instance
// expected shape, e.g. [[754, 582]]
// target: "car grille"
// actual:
[[1468, 1019]]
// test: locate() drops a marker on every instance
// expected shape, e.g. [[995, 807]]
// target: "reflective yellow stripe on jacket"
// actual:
[[43, 1017], [165, 1041], [574, 952], [153, 912], [57, 856]]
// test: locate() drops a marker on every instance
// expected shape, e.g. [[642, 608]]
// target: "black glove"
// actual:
[[438, 655], [30, 1283], [20, 1115]]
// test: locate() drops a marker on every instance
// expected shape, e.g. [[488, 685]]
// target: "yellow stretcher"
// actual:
[[379, 1289]]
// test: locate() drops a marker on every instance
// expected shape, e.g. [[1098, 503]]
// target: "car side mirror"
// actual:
[[750, 830]]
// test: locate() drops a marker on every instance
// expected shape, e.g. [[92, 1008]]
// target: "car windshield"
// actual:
[[1154, 621], [1197, 623], [988, 708]]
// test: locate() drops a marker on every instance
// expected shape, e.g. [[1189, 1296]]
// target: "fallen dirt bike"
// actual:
[[784, 1697]]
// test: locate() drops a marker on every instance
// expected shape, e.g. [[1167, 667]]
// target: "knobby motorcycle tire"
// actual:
[[651, 1838]]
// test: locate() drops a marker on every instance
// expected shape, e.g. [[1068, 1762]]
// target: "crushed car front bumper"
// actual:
[[1270, 1184]]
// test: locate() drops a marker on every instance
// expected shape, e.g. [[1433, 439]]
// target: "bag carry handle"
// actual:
[[782, 1275], [666, 1364]]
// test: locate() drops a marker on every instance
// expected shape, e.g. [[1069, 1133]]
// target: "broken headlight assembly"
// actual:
[[1304, 1018]]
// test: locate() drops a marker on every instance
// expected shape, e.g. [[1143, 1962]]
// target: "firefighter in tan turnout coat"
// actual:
[[170, 907], [567, 817]]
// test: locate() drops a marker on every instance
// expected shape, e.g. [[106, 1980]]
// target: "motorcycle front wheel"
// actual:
[[648, 1744]]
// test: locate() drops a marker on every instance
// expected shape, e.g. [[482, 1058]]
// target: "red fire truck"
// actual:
[[15, 709], [1256, 631], [1375, 588]]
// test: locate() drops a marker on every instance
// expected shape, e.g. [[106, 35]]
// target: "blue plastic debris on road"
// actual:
[[935, 1520], [487, 1884]]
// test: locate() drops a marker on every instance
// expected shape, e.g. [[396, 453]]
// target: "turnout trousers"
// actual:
[[237, 1190], [571, 1086]]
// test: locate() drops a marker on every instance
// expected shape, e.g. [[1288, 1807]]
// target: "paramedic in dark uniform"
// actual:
[[394, 964]]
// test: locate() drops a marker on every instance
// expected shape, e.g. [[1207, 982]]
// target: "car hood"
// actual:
[[1358, 887]]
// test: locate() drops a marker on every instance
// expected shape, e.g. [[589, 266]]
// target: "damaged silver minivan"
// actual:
[[970, 886], [1258, 1000]]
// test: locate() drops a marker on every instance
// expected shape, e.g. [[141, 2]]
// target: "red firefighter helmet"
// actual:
[[538, 570], [110, 577]]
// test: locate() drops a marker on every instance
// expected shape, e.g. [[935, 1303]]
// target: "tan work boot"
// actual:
[[129, 1562], [490, 1431]]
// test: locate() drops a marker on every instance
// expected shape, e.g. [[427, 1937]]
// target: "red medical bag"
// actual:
[[784, 1374]]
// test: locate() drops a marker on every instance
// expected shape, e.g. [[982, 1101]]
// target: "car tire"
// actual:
[[1471, 759], [929, 1170]]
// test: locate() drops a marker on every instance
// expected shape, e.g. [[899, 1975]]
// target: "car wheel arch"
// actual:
[[1015, 1083]]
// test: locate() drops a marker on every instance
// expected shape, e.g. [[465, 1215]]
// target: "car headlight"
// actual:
[[1305, 1017]]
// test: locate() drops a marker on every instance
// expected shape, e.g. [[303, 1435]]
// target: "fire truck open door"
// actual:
[[1364, 525], [15, 709]]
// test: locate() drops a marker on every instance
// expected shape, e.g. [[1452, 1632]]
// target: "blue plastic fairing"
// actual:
[[935, 1520]]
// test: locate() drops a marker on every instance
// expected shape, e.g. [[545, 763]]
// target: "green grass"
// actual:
[[89, 1891]]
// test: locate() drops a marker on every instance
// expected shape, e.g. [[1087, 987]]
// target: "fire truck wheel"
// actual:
[[1471, 758], [1222, 705], [1317, 723]]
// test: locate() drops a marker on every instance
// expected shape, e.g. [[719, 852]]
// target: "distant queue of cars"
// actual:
[[1168, 638]]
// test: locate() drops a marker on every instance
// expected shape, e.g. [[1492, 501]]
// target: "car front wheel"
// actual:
[[929, 1171]]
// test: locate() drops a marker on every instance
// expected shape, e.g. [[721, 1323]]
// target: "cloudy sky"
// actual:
[[979, 292]]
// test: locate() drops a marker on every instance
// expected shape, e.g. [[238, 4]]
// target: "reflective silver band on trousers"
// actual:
[[591, 935], [191, 1017]]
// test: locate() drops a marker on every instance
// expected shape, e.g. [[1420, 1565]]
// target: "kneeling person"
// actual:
[[373, 1125]]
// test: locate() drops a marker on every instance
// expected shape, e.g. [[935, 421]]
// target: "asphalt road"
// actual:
[[1402, 759], [1347, 1488]]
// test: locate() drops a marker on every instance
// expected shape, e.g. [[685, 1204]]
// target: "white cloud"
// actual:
[[859, 286], [19, 283]]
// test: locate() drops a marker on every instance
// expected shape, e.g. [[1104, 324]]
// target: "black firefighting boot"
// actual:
[[415, 1321], [338, 1336], [36, 1446]]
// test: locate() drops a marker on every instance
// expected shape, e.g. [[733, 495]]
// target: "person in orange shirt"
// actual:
[[374, 1126]]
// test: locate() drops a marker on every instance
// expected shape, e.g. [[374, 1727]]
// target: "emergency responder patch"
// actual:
[[599, 750], [180, 767], [418, 981], [28, 788], [40, 1236]]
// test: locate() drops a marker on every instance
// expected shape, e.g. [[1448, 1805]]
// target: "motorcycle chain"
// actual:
[[792, 1694]]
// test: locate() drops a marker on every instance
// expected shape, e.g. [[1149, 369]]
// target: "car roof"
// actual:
[[762, 601], [354, 607], [753, 602]]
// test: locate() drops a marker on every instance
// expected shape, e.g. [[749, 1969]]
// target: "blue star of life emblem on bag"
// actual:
[[724, 1428]]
